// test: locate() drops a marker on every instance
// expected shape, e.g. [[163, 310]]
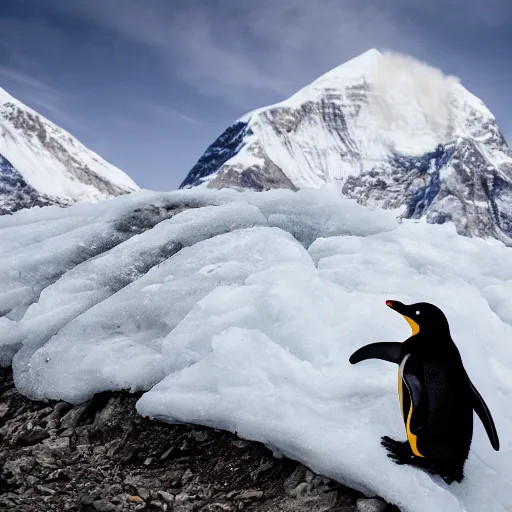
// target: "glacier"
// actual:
[[42, 164], [239, 310], [388, 131]]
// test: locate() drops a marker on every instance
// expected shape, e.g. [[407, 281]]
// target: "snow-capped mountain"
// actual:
[[390, 132], [42, 164]]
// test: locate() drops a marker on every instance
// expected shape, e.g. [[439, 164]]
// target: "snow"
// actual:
[[249, 326], [96, 279], [51, 160], [386, 101], [371, 126]]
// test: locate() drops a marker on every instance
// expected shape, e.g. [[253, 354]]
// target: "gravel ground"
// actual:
[[103, 456]]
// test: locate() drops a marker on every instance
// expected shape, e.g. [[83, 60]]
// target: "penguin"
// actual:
[[436, 395]]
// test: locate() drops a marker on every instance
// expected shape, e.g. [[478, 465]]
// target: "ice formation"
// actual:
[[240, 310]]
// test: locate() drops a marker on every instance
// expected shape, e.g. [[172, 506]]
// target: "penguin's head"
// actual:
[[422, 316]]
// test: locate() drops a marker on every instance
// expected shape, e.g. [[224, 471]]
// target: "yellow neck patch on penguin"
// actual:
[[414, 326]]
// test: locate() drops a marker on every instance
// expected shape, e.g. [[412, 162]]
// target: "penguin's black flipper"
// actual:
[[418, 399], [484, 414], [386, 351]]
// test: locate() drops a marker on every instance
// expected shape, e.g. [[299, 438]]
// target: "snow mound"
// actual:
[[240, 311]]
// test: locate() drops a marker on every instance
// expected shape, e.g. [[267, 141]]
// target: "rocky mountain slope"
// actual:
[[390, 132], [42, 164]]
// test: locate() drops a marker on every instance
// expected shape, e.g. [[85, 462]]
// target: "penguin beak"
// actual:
[[404, 311], [396, 306]]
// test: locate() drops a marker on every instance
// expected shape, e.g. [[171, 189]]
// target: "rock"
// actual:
[[250, 495], [113, 447], [59, 446], [58, 411], [46, 460], [134, 481], [166, 496], [88, 499], [4, 410], [59, 474], [107, 413], [99, 451], [104, 506], [200, 435], [18, 466], [372, 505], [143, 493], [266, 466], [173, 478], [83, 435], [295, 479], [31, 480], [227, 507], [9, 504], [46, 490], [318, 481], [32, 436], [52, 424], [187, 476], [167, 453], [43, 412], [67, 433], [128, 453], [300, 490], [239, 443], [182, 497], [73, 417]]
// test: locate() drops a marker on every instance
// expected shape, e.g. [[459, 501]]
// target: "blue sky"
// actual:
[[149, 84]]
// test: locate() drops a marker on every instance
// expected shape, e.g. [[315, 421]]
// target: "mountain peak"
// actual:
[[41, 163], [389, 131], [369, 57]]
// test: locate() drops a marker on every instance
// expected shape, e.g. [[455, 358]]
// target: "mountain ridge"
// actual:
[[43, 164], [372, 126]]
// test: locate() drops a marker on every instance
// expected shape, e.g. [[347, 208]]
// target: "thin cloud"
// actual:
[[247, 53], [22, 78], [37, 93], [185, 117], [171, 114]]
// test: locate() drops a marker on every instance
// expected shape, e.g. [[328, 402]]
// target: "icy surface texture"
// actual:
[[240, 311]]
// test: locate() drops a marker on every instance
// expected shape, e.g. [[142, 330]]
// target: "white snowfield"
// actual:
[[241, 313]]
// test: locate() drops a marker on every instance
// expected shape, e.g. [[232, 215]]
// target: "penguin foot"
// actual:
[[449, 478], [399, 452]]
